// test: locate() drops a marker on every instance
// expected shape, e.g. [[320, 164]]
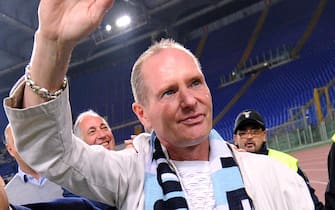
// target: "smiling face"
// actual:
[[94, 130], [178, 103]]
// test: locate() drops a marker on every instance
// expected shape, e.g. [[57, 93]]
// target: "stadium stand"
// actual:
[[278, 92]]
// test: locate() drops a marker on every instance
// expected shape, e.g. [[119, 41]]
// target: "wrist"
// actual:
[[41, 91], [49, 62], [48, 67]]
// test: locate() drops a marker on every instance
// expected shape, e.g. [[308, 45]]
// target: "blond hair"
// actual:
[[138, 87]]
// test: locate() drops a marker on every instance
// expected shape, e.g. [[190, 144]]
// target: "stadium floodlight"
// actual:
[[108, 27], [123, 21]]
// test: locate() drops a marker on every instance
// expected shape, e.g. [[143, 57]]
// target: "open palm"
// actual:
[[68, 21]]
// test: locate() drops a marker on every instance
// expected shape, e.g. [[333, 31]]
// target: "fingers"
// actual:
[[2, 182], [103, 5], [4, 205], [99, 9], [68, 20], [128, 144]]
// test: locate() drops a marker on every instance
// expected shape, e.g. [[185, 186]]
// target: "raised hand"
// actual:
[[62, 23], [129, 142], [68, 21]]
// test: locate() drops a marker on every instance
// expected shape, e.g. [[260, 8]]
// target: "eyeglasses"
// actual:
[[252, 132]]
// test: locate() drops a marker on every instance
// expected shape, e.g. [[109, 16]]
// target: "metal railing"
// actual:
[[299, 134]]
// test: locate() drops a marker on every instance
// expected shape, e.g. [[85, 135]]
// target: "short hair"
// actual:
[[90, 112], [138, 87]]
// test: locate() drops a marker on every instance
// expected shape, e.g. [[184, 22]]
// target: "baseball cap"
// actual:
[[248, 117]]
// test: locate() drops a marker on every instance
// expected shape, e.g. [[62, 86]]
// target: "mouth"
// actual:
[[249, 145], [105, 144], [192, 120]]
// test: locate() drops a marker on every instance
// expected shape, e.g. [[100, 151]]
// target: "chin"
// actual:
[[195, 140], [198, 132], [251, 150]]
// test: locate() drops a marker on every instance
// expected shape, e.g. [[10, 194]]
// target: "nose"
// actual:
[[101, 134], [249, 135], [187, 98]]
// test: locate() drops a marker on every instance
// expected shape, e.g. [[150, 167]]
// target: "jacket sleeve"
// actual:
[[317, 203], [44, 138]]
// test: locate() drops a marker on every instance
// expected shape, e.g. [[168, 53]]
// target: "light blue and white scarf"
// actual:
[[163, 189]]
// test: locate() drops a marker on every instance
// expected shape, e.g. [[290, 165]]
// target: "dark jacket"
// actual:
[[99, 205], [330, 191], [59, 204]]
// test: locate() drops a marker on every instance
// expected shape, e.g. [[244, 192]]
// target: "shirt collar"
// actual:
[[30, 179], [218, 146]]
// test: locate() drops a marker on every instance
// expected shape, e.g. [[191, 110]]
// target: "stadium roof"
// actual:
[[151, 19]]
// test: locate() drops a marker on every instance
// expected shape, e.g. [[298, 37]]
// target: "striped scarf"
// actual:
[[163, 189]]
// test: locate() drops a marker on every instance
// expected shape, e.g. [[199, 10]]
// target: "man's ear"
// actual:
[[265, 136], [235, 139], [9, 149], [141, 114]]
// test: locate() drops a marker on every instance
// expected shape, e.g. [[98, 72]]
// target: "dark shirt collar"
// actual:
[[264, 149]]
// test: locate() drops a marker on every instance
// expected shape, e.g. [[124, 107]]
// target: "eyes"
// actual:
[[92, 130], [169, 92], [172, 90], [196, 82], [253, 132]]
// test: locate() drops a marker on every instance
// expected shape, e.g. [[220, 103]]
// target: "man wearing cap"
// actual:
[[250, 135]]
